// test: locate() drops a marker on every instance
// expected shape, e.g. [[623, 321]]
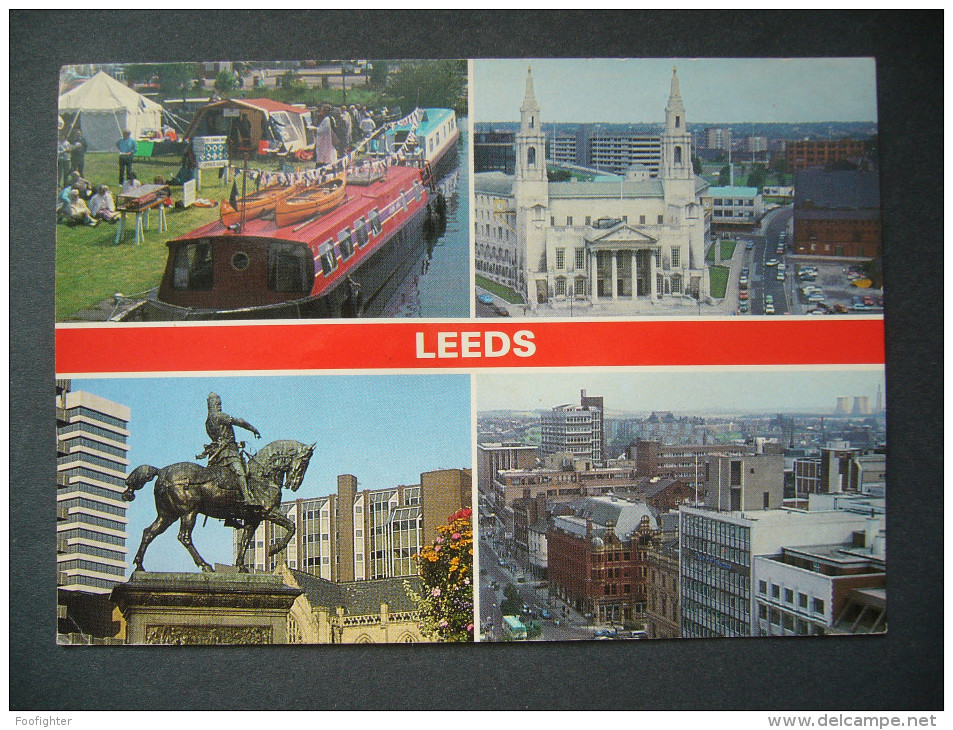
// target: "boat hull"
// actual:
[[376, 280], [254, 207], [299, 207]]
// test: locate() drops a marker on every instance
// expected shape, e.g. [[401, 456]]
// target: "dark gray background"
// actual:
[[900, 671]]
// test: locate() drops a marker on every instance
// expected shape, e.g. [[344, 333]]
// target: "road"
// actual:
[[564, 624], [764, 278]]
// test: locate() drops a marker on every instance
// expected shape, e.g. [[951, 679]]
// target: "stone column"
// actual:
[[593, 276], [615, 274], [653, 280], [635, 278]]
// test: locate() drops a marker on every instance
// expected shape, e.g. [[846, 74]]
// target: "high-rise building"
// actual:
[[576, 430], [364, 534], [745, 482], [717, 557], [91, 526]]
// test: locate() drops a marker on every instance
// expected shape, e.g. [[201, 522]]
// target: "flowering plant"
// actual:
[[446, 568]]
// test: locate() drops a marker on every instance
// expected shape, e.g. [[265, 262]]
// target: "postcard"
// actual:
[[399, 351]]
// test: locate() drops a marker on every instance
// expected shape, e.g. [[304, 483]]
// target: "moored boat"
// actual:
[[436, 137], [308, 202], [254, 205], [344, 263]]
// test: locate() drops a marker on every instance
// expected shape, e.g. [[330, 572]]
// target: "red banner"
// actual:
[[372, 345]]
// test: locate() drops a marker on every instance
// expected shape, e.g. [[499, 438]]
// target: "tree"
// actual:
[[697, 164], [428, 84], [174, 78], [379, 73], [757, 177], [512, 605], [724, 176], [225, 82]]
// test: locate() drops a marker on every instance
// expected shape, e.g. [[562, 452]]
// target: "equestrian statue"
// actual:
[[242, 492]]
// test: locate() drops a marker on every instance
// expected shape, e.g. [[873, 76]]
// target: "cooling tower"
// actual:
[[843, 406]]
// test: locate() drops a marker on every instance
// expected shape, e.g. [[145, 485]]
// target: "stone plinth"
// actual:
[[205, 608]]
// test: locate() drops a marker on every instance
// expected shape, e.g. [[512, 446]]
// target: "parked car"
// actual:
[[840, 309], [769, 309], [743, 294], [771, 262], [485, 299], [780, 275], [743, 306], [869, 300], [605, 634], [749, 245]]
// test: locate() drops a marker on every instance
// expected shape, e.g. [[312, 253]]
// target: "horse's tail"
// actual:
[[139, 477]]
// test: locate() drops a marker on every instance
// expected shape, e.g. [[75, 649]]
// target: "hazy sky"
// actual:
[[699, 391], [385, 430], [713, 90]]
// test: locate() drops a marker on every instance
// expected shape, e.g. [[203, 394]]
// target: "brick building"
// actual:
[[837, 213], [676, 461], [822, 152], [597, 557], [494, 457]]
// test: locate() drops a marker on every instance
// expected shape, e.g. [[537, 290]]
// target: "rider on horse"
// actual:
[[225, 451]]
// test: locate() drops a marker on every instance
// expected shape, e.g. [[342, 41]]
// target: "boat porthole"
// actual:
[[240, 261]]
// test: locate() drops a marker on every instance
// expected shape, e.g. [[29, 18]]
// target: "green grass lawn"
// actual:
[[504, 293], [719, 281], [727, 251], [90, 267]]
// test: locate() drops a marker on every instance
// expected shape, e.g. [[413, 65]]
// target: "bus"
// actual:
[[513, 628]]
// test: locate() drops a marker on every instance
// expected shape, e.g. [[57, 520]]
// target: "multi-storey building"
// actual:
[[734, 205], [804, 153], [837, 213], [839, 468], [718, 138], [744, 482], [594, 147], [364, 535], [685, 462], [635, 237], [717, 552], [823, 589], [577, 430], [597, 557], [663, 618], [91, 466], [495, 457], [494, 151], [662, 426]]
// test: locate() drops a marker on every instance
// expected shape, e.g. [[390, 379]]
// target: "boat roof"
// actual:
[[431, 120], [359, 198]]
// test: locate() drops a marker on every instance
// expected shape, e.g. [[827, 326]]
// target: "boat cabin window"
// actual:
[[403, 200], [345, 244], [360, 232], [329, 261], [289, 268], [418, 190], [192, 269], [375, 220]]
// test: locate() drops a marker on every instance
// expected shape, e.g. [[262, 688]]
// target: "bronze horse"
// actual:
[[185, 490]]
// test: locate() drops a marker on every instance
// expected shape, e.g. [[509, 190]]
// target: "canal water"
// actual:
[[439, 285]]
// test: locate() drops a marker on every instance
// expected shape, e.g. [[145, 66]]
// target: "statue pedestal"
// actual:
[[205, 608]]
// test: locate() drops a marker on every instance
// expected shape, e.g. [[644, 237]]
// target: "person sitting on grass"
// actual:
[[77, 212], [80, 184], [102, 205]]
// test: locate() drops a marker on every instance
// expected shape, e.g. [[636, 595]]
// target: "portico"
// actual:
[[622, 264]]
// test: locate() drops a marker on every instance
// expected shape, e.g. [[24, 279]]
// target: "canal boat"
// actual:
[[308, 202], [436, 136], [344, 263]]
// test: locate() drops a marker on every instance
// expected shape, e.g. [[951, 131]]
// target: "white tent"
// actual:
[[105, 107]]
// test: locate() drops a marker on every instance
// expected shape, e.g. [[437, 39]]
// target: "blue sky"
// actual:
[[713, 90], [385, 430], [699, 391]]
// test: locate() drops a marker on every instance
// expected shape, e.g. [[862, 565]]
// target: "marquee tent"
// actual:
[[277, 123], [102, 107]]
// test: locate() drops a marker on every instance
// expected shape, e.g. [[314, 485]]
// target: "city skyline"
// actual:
[[730, 90], [401, 430], [688, 391]]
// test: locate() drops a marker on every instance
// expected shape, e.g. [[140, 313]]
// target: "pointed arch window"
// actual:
[[531, 156]]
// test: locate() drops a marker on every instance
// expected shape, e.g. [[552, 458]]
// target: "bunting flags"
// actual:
[[319, 175]]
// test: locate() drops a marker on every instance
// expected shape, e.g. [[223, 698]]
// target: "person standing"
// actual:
[[77, 153], [63, 161], [127, 149]]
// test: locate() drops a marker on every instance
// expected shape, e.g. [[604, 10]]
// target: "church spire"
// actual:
[[675, 93], [529, 99]]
